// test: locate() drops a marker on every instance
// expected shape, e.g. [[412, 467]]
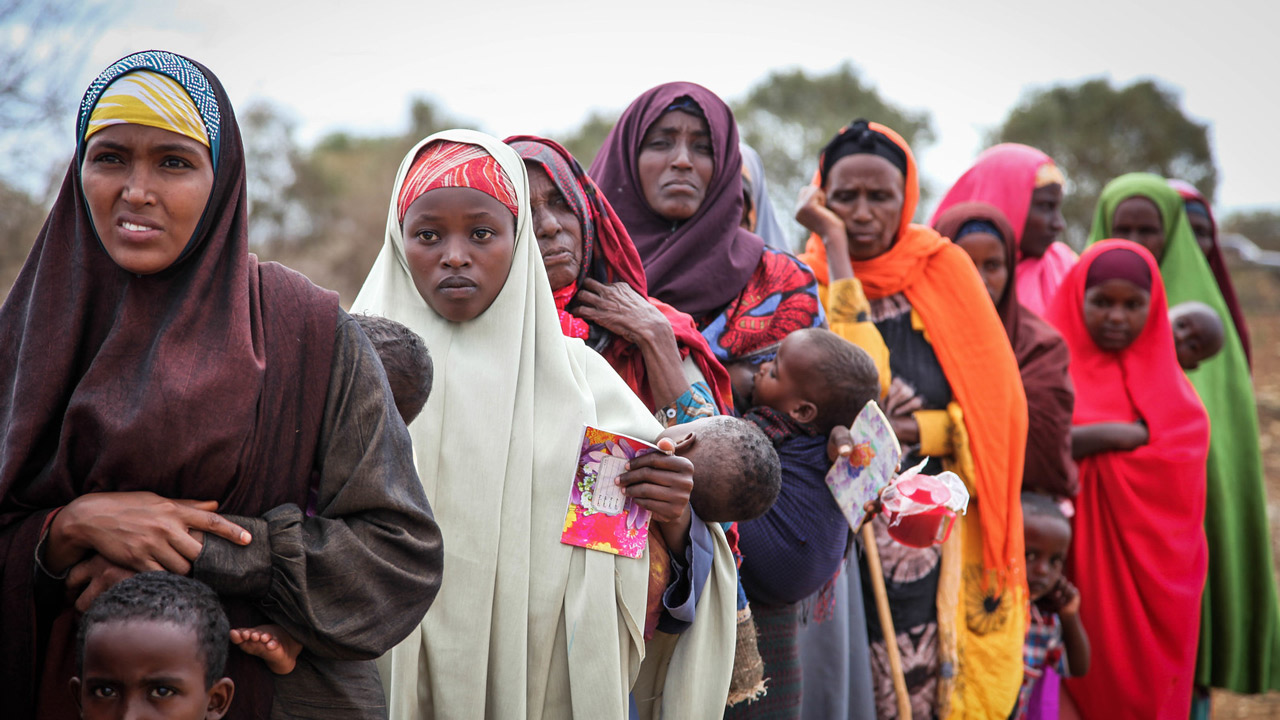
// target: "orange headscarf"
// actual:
[[961, 323]]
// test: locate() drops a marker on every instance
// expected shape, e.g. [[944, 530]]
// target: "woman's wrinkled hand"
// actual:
[[621, 310], [139, 531], [900, 408], [90, 578], [812, 212]]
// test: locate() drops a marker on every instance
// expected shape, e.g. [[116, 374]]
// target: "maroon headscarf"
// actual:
[[204, 381], [703, 263], [609, 256], [1218, 264], [1043, 361]]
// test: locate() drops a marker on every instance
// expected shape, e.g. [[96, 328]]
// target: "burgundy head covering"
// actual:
[[204, 381], [1219, 266], [609, 256], [1119, 264], [701, 264], [1043, 362]]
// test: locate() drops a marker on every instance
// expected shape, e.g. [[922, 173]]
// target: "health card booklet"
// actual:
[[857, 479], [600, 516]]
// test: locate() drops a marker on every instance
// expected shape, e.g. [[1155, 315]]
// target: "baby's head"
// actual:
[[1197, 333], [1047, 536], [405, 359], [817, 378], [736, 474], [153, 645]]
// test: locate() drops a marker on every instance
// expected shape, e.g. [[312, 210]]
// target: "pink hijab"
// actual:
[[1005, 176]]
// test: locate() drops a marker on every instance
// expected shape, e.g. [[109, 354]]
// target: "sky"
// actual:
[[521, 67]]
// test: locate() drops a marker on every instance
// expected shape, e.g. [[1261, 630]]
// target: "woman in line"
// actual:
[[1240, 622], [1205, 228], [1141, 436], [534, 628], [984, 233], [758, 214], [1027, 187], [672, 168], [926, 315], [156, 372], [600, 290]]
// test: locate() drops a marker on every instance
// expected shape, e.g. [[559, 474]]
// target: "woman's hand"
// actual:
[[139, 531], [621, 310], [812, 212], [661, 483], [900, 408], [90, 578]]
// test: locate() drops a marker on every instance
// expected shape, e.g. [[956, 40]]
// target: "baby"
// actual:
[[1197, 333], [735, 468], [1055, 629], [409, 374], [154, 645]]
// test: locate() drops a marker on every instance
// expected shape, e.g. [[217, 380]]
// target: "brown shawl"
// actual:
[[204, 381], [1042, 360]]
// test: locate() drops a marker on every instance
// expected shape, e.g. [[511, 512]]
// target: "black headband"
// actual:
[[858, 138]]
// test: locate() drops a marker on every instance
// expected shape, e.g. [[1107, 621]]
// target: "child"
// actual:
[[1197, 333], [736, 475], [154, 645], [407, 363], [1055, 629], [816, 382]]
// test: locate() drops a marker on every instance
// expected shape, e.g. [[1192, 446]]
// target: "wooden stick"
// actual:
[[886, 621]]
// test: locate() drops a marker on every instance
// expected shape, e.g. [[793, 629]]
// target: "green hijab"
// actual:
[[1240, 621]]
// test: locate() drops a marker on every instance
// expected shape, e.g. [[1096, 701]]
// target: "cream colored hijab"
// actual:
[[519, 614]]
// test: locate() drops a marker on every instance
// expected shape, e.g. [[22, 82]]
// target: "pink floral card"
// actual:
[[859, 478], [600, 516]]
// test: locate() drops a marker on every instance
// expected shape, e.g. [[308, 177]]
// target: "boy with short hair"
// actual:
[[1055, 629], [153, 645], [1197, 333]]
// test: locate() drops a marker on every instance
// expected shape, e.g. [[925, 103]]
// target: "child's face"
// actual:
[[1115, 312], [147, 669], [459, 243], [1047, 541], [780, 383], [1197, 334], [742, 378]]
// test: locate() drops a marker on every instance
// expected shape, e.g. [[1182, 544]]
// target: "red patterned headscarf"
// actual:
[[447, 164]]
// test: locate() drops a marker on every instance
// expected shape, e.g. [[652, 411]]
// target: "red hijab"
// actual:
[[609, 256], [204, 381], [1218, 264], [1042, 360], [1139, 554]]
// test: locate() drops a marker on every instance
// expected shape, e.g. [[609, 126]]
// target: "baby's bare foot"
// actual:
[[276, 647]]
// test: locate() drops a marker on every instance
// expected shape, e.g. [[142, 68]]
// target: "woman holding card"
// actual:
[[497, 446]]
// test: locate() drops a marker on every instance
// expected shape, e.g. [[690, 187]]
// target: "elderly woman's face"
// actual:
[[459, 243], [867, 192], [676, 164], [146, 189], [557, 227], [1137, 219]]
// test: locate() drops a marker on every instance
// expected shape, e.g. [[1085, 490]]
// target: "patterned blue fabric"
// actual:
[[696, 402], [182, 70]]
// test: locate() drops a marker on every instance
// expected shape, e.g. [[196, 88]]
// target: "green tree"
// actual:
[[1096, 132], [790, 115], [586, 141]]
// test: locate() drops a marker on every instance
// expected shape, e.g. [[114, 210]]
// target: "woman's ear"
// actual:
[[220, 699], [804, 411]]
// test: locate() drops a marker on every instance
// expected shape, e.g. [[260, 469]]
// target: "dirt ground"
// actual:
[[1260, 295]]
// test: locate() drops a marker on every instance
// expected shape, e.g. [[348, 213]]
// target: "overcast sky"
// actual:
[[520, 67]]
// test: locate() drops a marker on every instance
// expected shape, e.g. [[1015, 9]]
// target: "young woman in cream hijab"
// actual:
[[524, 626]]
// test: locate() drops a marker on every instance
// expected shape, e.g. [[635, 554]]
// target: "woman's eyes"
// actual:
[[175, 163], [103, 691], [425, 235], [163, 691], [107, 157], [703, 148], [482, 233]]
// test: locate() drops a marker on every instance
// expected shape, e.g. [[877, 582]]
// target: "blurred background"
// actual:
[[330, 96]]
